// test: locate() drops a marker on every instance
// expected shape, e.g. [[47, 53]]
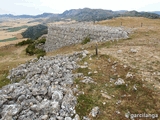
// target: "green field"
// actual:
[[14, 29], [9, 39], [3, 26]]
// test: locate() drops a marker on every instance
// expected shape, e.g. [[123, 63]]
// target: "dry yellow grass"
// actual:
[[11, 57], [18, 22], [146, 41], [144, 100], [144, 65], [132, 22], [4, 34]]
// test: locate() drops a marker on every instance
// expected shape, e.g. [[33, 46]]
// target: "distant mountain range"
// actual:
[[44, 15], [156, 12], [86, 14]]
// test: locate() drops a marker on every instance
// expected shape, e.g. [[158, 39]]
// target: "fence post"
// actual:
[[96, 48]]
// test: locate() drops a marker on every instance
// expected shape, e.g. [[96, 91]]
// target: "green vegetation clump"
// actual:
[[35, 32], [3, 78], [31, 49], [85, 102], [25, 42], [86, 40], [41, 41], [41, 54]]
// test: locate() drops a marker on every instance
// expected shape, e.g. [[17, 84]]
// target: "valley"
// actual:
[[11, 29]]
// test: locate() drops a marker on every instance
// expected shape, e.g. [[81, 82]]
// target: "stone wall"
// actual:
[[67, 34]]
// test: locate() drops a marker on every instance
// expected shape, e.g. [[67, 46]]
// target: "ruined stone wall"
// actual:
[[67, 34]]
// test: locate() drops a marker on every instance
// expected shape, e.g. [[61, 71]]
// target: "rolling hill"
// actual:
[[86, 14], [35, 32], [44, 15]]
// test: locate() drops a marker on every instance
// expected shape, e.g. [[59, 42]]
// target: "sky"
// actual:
[[34, 7]]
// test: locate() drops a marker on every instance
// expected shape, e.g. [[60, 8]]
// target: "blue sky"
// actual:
[[34, 7]]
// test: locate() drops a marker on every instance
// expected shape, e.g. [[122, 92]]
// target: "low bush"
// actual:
[[42, 41], [25, 42], [41, 54], [31, 49], [86, 40]]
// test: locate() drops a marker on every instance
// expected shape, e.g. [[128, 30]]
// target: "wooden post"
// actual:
[[141, 24], [96, 49]]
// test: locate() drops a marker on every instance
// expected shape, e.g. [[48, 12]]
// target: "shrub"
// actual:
[[25, 42], [41, 41], [38, 51], [30, 49], [41, 54], [86, 40]]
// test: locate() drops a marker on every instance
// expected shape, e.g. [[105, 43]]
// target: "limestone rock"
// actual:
[[67, 118], [119, 51], [133, 50], [76, 117], [129, 75], [106, 96], [95, 111], [44, 92], [86, 118], [88, 80], [120, 81], [44, 117], [11, 110]]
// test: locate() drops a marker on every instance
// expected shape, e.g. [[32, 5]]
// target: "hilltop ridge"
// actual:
[[85, 14]]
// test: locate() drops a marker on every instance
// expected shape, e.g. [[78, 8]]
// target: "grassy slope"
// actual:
[[10, 57], [141, 101], [146, 41], [144, 100]]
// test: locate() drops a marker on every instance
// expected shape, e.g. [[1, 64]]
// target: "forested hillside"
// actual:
[[35, 32]]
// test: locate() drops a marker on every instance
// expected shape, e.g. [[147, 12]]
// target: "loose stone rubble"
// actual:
[[44, 92]]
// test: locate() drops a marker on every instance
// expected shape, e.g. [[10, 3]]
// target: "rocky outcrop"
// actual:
[[44, 92], [67, 34]]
